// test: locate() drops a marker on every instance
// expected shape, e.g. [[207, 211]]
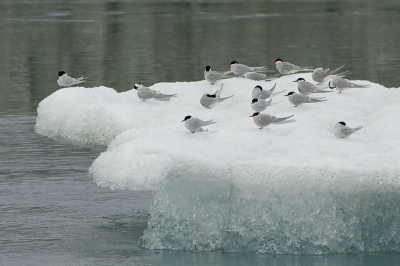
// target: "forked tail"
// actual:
[[283, 120], [358, 128]]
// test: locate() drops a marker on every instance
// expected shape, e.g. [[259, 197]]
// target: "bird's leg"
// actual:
[[192, 131]]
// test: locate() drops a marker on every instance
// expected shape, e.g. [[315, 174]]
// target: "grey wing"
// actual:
[[266, 119], [315, 100], [283, 120], [325, 72], [163, 97], [342, 83], [224, 98], [196, 123], [329, 72], [69, 81], [207, 102], [216, 76], [286, 66], [255, 76], [306, 88], [301, 98], [318, 76], [273, 88], [146, 93], [206, 123], [242, 69], [347, 130], [311, 87]]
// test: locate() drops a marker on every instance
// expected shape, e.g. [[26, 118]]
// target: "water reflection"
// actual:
[[119, 43]]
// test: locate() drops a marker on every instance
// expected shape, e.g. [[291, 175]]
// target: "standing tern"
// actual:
[[307, 88], [286, 68], [298, 99], [211, 100], [214, 76], [259, 92], [145, 93], [342, 131], [194, 124], [240, 69], [263, 120], [341, 84], [66, 81], [322, 75]]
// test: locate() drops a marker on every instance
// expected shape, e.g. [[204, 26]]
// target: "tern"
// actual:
[[66, 81], [298, 99], [209, 101], [263, 120], [194, 124], [286, 68], [145, 93], [341, 84], [342, 131], [259, 92]]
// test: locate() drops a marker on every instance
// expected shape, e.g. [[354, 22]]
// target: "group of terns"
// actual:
[[260, 96]]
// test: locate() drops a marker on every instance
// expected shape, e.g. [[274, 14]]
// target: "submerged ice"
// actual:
[[290, 188], [294, 215]]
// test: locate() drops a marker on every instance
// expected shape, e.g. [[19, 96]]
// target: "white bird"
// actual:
[[263, 120], [322, 75], [307, 88], [342, 131], [298, 99], [260, 105], [214, 76], [286, 68], [259, 92], [66, 81], [211, 100], [240, 69], [145, 93], [341, 84], [258, 76], [194, 124]]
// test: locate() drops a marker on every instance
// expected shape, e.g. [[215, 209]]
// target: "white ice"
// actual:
[[147, 142]]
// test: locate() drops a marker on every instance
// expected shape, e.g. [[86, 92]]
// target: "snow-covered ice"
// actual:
[[290, 188], [147, 139]]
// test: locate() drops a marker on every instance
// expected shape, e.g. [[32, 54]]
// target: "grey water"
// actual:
[[51, 211]]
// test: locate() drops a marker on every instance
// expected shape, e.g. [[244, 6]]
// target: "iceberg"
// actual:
[[286, 189]]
